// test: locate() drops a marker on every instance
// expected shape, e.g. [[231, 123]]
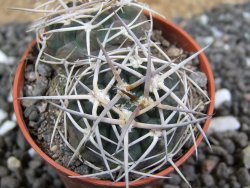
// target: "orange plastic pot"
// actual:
[[172, 33]]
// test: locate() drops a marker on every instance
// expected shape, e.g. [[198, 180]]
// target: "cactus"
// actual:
[[124, 109]]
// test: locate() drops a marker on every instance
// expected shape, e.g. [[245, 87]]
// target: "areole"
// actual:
[[172, 33]]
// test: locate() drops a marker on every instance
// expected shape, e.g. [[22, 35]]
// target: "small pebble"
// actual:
[[208, 180], [83, 169], [34, 164], [241, 139], [30, 76], [248, 61], [13, 163], [13, 117], [218, 150], [165, 43], [222, 171], [51, 172], [4, 59], [4, 105], [37, 89], [34, 116], [246, 15], [54, 148], [38, 183], [243, 177], [174, 52], [26, 103], [184, 185], [42, 106], [10, 97], [33, 124], [222, 96], [30, 175], [57, 183], [208, 40], [174, 180], [229, 145], [55, 156], [204, 19], [21, 142], [223, 124], [229, 159], [246, 157], [9, 182], [216, 32], [208, 165], [31, 113], [6, 127], [247, 96], [32, 152], [3, 115], [3, 171], [199, 78], [44, 69], [235, 184], [189, 172]]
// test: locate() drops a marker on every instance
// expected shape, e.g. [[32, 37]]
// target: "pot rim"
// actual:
[[17, 90]]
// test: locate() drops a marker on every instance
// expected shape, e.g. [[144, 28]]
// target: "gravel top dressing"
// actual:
[[226, 165]]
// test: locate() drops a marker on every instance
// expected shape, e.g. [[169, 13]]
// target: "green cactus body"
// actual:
[[62, 44], [150, 117]]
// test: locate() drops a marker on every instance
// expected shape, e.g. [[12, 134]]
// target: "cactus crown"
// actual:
[[127, 107]]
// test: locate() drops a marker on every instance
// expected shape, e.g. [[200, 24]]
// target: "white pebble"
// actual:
[[4, 59], [204, 19], [13, 117], [10, 97], [248, 61], [3, 115], [246, 157], [222, 96], [204, 41], [13, 163], [42, 107], [227, 47], [216, 32], [208, 40], [54, 148], [246, 15], [247, 35], [6, 127], [223, 124], [32, 153]]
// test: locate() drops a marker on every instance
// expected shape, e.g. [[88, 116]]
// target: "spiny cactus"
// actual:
[[125, 110]]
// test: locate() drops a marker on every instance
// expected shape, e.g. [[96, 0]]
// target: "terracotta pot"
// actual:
[[172, 33]]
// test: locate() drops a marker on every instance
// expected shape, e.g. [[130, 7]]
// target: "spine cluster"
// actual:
[[125, 105]]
